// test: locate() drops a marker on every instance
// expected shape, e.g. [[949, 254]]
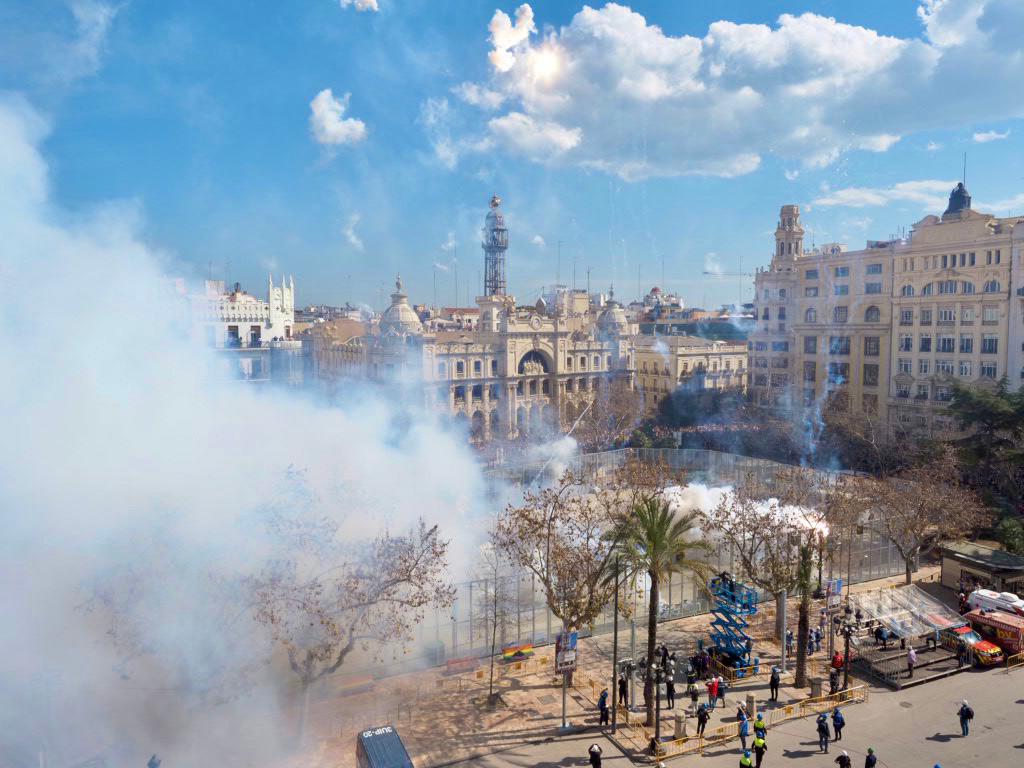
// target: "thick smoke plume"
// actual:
[[132, 475]]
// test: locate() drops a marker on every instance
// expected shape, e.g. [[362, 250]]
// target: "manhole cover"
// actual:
[[548, 699], [906, 704]]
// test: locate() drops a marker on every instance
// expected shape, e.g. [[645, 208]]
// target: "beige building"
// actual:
[[519, 371], [884, 331], [691, 363]]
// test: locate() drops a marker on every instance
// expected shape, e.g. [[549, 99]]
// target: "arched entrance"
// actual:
[[477, 428]]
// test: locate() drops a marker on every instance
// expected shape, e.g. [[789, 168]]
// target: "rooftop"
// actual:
[[987, 557]]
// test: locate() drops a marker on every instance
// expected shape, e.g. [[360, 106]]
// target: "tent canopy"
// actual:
[[906, 611]]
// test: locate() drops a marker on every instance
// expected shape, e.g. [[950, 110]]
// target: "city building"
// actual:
[[505, 371], [884, 332], [252, 336], [690, 363]]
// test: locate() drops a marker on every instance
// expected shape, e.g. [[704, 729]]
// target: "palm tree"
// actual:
[[652, 540]]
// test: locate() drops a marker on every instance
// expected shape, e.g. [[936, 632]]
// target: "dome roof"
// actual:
[[400, 317], [613, 319]]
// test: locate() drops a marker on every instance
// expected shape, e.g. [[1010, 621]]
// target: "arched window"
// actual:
[[928, 290], [840, 314], [811, 316], [966, 287], [947, 286], [872, 315], [992, 286], [907, 290]]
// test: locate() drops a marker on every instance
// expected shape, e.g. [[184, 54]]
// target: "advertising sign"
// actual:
[[834, 592], [565, 652]]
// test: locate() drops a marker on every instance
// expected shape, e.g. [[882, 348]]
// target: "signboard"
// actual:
[[381, 748], [834, 593], [565, 652]]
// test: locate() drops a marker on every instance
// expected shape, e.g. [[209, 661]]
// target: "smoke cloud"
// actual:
[[134, 472]]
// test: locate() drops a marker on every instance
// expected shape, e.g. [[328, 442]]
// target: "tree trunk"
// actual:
[[300, 729], [652, 641], [909, 561], [804, 624], [780, 615]]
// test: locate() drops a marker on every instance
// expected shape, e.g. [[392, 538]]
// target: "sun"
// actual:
[[546, 64]]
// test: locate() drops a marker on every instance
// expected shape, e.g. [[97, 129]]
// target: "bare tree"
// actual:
[[610, 417], [498, 603], [321, 599], [864, 441], [772, 526], [924, 505]]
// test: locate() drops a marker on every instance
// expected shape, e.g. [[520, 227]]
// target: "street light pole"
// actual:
[[615, 649], [658, 677], [632, 655]]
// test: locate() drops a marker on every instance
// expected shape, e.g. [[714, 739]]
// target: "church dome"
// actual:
[[400, 317], [612, 320]]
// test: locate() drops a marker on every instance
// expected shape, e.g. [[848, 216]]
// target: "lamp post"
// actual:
[[658, 674], [847, 625], [615, 649]]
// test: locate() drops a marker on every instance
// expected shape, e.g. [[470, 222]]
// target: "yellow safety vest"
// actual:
[[746, 761], [760, 743], [760, 724]]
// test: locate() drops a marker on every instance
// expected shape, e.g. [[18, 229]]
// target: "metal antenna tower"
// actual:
[[494, 244]]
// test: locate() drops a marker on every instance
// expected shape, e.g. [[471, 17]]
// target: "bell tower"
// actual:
[[494, 244], [789, 235]]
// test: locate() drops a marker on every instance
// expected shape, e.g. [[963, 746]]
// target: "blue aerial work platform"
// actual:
[[733, 603]]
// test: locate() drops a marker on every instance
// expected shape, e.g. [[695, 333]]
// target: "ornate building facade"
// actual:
[[520, 371], [885, 331]]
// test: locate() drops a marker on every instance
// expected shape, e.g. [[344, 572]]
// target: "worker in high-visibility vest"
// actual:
[[760, 747], [745, 761]]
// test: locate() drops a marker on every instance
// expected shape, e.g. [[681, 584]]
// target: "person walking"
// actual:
[[844, 760], [664, 656], [602, 705], [789, 642], [745, 761], [623, 691], [966, 714], [702, 719], [595, 755], [723, 688], [961, 653], [870, 761], [694, 695], [817, 639], [810, 643], [822, 723], [773, 684], [833, 681], [760, 727], [744, 729], [760, 747], [838, 721], [691, 673], [911, 661], [670, 693], [712, 686]]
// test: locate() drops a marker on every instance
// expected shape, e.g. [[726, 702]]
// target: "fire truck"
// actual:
[[1004, 629]]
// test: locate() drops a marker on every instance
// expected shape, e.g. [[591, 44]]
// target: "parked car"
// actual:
[[1000, 601], [986, 654]]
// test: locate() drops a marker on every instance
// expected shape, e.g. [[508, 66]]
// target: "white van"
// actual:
[[1000, 601]]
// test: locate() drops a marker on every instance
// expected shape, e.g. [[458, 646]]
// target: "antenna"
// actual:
[[588, 282]]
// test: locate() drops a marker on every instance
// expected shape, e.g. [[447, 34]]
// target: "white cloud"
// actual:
[[450, 243], [350, 231], [933, 146], [611, 91], [929, 194], [442, 267], [505, 35], [93, 20], [360, 5], [328, 123], [987, 136], [791, 175], [535, 139], [479, 96], [538, 241]]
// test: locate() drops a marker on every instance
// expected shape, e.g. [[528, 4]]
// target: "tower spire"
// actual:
[[494, 244]]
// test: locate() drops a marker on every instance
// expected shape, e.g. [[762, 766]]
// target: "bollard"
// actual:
[[816, 687], [680, 726], [751, 706]]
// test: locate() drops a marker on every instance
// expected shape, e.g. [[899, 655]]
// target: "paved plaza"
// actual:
[[915, 728]]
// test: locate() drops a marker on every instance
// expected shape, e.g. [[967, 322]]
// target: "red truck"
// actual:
[[1004, 629]]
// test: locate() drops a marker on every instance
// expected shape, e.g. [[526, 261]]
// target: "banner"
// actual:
[[565, 652], [516, 652]]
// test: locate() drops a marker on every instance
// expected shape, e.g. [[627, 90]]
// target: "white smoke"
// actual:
[[126, 453]]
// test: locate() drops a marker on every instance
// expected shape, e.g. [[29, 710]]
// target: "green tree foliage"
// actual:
[[992, 451], [655, 542], [1010, 533]]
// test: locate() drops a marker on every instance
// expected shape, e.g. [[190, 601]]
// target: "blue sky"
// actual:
[[635, 136]]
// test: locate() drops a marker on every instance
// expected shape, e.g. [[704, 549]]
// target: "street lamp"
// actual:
[[628, 667], [847, 625], [659, 674]]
